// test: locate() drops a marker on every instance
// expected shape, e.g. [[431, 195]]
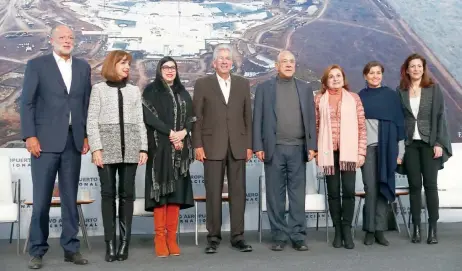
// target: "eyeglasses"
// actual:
[[169, 68]]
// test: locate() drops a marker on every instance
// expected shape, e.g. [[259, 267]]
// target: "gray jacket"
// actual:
[[106, 131], [424, 117]]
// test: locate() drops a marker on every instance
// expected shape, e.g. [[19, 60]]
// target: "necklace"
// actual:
[[414, 91]]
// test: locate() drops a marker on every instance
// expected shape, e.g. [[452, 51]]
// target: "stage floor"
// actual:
[[402, 255]]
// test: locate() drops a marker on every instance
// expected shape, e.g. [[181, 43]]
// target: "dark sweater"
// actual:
[[289, 130]]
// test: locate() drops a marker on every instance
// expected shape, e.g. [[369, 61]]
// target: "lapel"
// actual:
[[216, 86], [272, 93], [301, 97], [406, 101], [55, 70], [425, 96], [75, 73], [233, 90]]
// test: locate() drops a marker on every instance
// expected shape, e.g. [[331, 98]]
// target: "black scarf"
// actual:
[[169, 164]]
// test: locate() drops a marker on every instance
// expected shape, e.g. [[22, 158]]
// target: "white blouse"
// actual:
[[415, 103]]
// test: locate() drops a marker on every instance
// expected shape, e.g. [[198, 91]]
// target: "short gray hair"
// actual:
[[53, 30], [222, 47]]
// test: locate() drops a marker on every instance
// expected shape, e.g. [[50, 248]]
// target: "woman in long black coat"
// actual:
[[168, 116]]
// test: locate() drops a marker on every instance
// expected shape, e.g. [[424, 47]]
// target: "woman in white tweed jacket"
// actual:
[[118, 142]]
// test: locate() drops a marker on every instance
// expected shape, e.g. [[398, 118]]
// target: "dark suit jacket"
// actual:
[[264, 117], [218, 124], [45, 103], [424, 116]]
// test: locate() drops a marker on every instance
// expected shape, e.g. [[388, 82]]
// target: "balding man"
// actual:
[[284, 138], [54, 105]]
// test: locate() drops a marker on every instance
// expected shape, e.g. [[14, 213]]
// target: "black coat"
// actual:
[[159, 162]]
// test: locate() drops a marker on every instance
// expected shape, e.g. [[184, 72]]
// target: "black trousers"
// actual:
[[126, 189], [422, 168], [341, 209], [214, 171]]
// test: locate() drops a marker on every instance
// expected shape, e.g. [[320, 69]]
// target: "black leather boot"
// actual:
[[336, 215], [432, 238], [108, 210], [125, 228], [347, 237], [110, 251], [338, 239], [416, 238]]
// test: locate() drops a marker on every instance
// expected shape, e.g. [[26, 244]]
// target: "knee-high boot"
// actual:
[[125, 227], [336, 215], [348, 208], [108, 210], [173, 211], [160, 214]]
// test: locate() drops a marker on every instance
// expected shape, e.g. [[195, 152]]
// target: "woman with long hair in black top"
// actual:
[[428, 144]]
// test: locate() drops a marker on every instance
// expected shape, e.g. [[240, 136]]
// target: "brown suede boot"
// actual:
[[173, 211], [159, 227]]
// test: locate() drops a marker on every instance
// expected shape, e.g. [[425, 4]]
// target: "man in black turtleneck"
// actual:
[[284, 138]]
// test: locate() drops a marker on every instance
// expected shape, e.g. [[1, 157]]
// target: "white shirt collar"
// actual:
[[220, 79], [60, 59]]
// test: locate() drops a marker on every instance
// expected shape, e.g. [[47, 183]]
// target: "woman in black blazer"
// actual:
[[428, 144]]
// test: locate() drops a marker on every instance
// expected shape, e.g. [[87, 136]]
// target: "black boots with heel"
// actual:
[[416, 237], [432, 238]]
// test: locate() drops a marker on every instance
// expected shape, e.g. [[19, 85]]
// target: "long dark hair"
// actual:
[[159, 81], [405, 82]]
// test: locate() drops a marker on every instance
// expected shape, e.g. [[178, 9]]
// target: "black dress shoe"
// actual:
[[380, 238], [300, 246], [242, 246], [369, 238], [35, 262], [278, 246], [75, 258], [211, 247]]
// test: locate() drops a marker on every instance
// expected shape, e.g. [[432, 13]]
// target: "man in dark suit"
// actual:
[[54, 105], [284, 138], [222, 138]]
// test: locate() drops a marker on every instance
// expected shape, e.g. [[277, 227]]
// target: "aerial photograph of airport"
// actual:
[[318, 32]]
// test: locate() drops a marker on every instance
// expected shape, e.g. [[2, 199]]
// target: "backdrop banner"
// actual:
[[450, 188]]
